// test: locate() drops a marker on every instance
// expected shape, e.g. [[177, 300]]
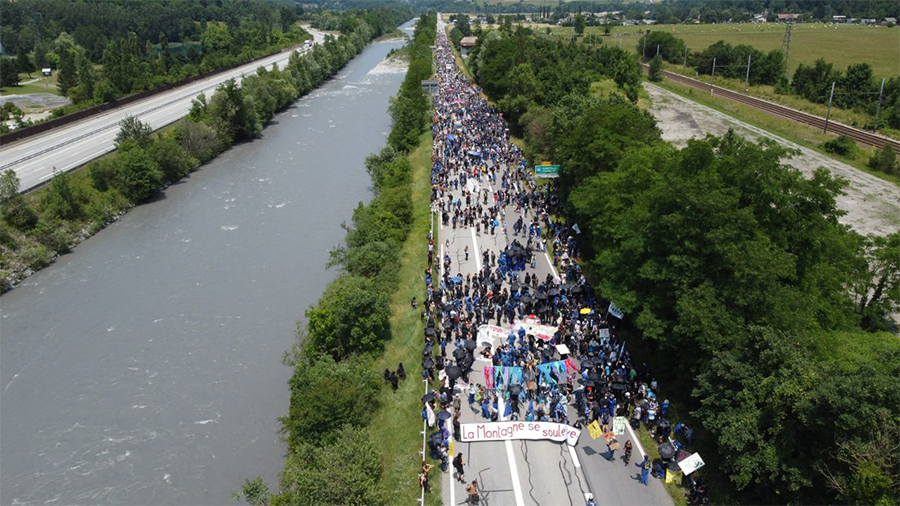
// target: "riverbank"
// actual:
[[40, 226]]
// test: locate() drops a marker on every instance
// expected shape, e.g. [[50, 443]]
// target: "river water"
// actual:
[[145, 367]]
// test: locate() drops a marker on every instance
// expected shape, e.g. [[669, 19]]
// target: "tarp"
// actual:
[[502, 431]]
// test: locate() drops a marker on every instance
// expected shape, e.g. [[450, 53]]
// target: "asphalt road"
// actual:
[[522, 472], [534, 472], [68, 147]]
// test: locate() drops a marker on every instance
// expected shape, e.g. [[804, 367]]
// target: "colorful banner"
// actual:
[[502, 431], [614, 311]]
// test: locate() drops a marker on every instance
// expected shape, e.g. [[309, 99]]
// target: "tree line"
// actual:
[[36, 228], [331, 457], [735, 272]]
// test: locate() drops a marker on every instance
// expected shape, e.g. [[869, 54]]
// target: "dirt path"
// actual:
[[872, 204]]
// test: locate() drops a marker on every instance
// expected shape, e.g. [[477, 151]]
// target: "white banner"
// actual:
[[502, 431], [613, 310], [691, 464]]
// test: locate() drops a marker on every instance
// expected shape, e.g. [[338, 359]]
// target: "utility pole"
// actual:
[[657, 50], [644, 48], [828, 113], [878, 109], [714, 69]]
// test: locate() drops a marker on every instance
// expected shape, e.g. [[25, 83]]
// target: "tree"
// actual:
[[462, 24], [9, 72], [579, 24], [318, 409], [16, 210], [346, 471], [884, 160], [349, 318], [23, 62], [876, 288], [59, 199], [138, 175], [134, 130], [656, 68], [86, 77], [67, 76], [173, 160], [165, 57], [198, 139]]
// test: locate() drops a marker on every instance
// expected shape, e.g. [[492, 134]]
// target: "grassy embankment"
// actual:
[[397, 425], [42, 85]]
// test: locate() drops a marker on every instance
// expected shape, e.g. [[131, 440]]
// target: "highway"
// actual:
[[68, 147]]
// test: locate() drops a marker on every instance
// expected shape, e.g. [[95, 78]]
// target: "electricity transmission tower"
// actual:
[[786, 44]]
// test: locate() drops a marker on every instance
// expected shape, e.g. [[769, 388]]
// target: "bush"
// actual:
[[172, 159], [51, 235], [325, 395], [884, 160], [36, 257], [351, 318], [137, 175], [656, 68], [347, 471], [59, 200], [842, 146]]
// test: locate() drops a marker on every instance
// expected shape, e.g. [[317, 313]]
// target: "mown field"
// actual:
[[838, 44]]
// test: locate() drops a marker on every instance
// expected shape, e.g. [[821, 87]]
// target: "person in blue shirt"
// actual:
[[645, 466]]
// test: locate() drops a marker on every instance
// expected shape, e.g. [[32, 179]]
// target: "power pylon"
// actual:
[[786, 44]]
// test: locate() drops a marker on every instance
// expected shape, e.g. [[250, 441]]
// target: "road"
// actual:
[[68, 147], [531, 472]]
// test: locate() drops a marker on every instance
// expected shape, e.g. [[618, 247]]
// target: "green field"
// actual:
[[838, 44], [42, 85]]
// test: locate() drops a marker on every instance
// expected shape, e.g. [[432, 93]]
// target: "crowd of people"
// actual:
[[481, 181]]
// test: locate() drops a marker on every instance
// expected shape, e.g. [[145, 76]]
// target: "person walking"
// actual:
[[472, 493], [645, 469], [628, 447], [458, 465]]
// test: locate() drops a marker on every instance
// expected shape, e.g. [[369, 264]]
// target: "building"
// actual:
[[788, 18], [467, 43], [890, 21], [839, 19]]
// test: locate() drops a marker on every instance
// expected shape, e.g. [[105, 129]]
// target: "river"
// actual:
[[145, 367]]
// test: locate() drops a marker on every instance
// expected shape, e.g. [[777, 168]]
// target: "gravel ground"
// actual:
[[872, 204]]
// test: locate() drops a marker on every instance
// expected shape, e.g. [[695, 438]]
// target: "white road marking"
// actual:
[[517, 487], [574, 456], [476, 251]]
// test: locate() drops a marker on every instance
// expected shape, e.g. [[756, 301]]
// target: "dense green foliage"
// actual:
[[885, 160], [731, 62], [410, 109], [521, 71], [133, 41], [318, 409], [735, 272]]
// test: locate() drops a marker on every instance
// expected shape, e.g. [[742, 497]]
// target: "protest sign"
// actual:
[[595, 429], [691, 464], [502, 431], [619, 425]]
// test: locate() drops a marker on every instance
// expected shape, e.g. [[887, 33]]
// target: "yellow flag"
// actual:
[[595, 429]]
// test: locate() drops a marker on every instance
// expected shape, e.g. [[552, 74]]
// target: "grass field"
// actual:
[[838, 44], [42, 85]]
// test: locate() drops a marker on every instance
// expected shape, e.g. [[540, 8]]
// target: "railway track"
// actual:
[[860, 136]]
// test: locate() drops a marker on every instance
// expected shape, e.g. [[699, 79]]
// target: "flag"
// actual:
[[430, 414], [613, 310], [576, 229]]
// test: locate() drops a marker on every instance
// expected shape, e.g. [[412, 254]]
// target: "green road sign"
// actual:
[[546, 171]]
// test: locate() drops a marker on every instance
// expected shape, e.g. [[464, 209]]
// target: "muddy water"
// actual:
[[144, 368]]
